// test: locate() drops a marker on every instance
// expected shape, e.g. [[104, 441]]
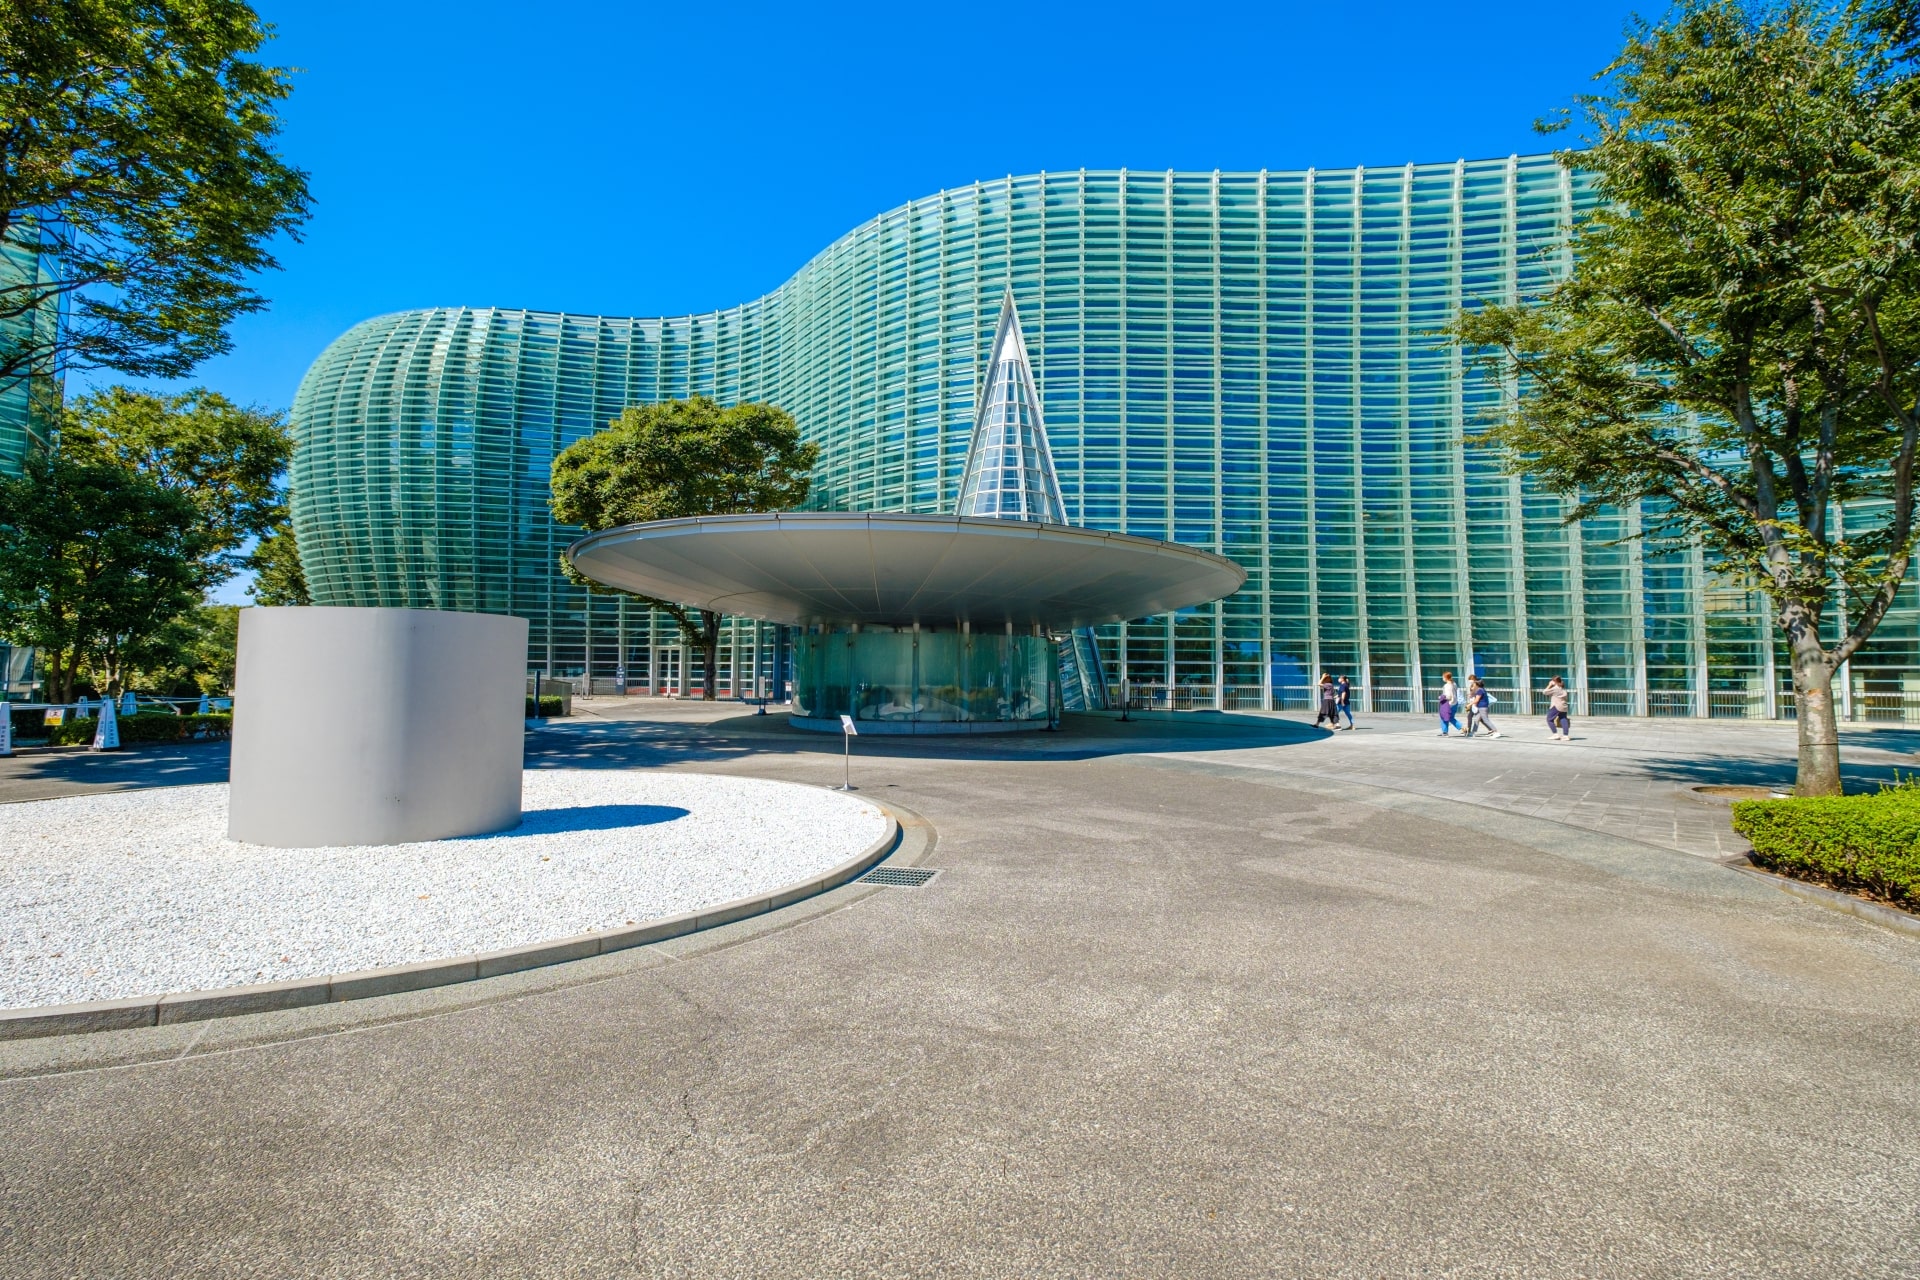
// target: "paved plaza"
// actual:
[[1223, 996]]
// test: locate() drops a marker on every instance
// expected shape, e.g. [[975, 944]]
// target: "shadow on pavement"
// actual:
[[621, 744], [1777, 772], [53, 773]]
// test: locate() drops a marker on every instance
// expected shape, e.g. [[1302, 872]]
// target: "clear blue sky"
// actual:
[[642, 159]]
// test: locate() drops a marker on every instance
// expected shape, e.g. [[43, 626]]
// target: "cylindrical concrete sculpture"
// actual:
[[376, 726]]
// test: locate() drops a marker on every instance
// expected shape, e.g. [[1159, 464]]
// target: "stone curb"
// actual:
[[225, 1002], [1834, 900]]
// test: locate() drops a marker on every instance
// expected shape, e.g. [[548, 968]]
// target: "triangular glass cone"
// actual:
[[1009, 473], [1010, 476]]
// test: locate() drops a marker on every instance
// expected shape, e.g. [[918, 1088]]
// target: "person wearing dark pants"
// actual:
[[1559, 723], [1480, 707], [1343, 698], [1329, 704]]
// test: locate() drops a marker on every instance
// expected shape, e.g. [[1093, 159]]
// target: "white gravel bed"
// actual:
[[140, 893]]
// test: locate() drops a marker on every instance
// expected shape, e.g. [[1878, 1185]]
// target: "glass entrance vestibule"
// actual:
[[913, 679]]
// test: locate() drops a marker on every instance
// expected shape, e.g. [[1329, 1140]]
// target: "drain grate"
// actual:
[[899, 877]]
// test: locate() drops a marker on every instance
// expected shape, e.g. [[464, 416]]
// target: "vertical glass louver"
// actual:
[[29, 320], [1246, 362]]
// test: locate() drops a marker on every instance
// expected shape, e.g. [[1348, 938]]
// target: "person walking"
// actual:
[[1343, 698], [1559, 723], [1480, 707], [1449, 702], [1329, 703]]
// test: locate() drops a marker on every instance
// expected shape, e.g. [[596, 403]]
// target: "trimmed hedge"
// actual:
[[148, 726], [551, 705], [1867, 844]]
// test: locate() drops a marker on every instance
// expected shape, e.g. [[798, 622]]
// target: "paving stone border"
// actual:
[[194, 1006], [1891, 917]]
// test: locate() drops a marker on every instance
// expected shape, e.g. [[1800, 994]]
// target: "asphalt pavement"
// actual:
[[1183, 1000]]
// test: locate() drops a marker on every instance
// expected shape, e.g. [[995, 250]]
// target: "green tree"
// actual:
[[229, 460], [277, 576], [1735, 347], [192, 653], [683, 458], [139, 136], [95, 560]]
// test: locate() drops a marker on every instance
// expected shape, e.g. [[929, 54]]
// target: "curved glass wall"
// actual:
[[1244, 362], [29, 401], [898, 678]]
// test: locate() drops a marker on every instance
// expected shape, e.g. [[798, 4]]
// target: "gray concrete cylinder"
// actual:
[[376, 726]]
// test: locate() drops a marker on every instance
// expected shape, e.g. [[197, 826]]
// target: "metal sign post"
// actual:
[[847, 734]]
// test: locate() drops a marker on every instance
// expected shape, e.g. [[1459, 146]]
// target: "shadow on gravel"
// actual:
[[590, 817]]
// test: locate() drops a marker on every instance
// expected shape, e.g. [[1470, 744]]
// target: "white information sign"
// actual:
[[846, 726]]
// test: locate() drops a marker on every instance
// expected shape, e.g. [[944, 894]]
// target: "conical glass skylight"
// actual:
[[1009, 473]]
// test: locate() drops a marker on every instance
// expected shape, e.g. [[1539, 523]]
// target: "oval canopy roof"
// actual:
[[881, 569]]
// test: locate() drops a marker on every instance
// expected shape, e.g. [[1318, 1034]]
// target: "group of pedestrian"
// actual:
[[1469, 710], [1476, 703], [1336, 700]]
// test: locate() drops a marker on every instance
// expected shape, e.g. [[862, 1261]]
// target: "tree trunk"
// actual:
[[59, 678], [710, 642], [1819, 773]]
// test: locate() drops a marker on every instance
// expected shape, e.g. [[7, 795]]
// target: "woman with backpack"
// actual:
[[1479, 707]]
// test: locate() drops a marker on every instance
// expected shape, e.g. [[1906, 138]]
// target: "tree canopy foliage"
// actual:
[[683, 458], [230, 460], [109, 543], [278, 578], [95, 561], [1735, 348], [137, 139]]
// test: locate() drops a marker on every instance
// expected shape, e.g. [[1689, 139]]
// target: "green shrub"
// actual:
[[216, 724], [1869, 843], [146, 727], [71, 733], [549, 706]]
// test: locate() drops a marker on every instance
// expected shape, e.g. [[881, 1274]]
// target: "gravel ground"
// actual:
[[141, 893]]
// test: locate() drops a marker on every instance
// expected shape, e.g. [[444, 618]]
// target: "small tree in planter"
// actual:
[[676, 459]]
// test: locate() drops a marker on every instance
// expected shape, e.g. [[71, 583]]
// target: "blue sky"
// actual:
[[637, 159]]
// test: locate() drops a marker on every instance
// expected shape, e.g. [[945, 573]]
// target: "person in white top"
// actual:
[[1449, 703], [1558, 722]]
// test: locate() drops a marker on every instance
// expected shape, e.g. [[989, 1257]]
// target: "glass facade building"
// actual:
[[29, 261], [1243, 362]]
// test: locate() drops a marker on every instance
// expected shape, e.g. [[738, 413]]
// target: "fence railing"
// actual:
[[1897, 707]]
